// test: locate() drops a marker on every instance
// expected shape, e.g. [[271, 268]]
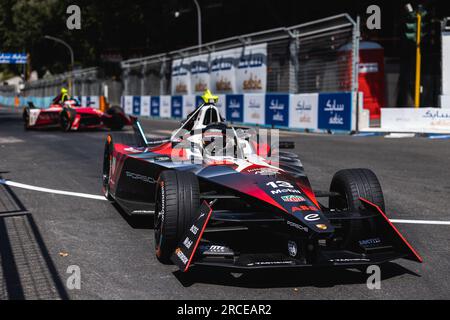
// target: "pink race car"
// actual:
[[72, 116]]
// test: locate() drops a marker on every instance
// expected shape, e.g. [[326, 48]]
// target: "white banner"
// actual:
[[221, 105], [145, 106], [128, 104], [181, 76], [223, 71], [251, 75], [188, 105], [164, 107], [429, 120], [303, 110], [254, 108], [199, 73]]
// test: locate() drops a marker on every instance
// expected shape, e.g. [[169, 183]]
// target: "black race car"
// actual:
[[243, 204]]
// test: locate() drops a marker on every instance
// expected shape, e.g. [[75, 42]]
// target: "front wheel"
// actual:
[[351, 185], [176, 204], [107, 168]]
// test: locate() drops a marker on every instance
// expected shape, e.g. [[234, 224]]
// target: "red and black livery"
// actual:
[[243, 214]]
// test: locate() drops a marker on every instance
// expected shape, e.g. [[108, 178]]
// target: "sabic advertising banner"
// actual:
[[254, 108], [235, 107], [136, 105], [181, 76], [335, 111], [252, 69], [433, 120], [199, 73], [177, 106], [303, 110], [221, 105], [145, 106], [223, 71], [188, 105], [164, 106], [277, 109], [154, 105], [127, 104]]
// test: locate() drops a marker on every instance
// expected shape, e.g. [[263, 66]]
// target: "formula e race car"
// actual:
[[71, 116], [221, 198]]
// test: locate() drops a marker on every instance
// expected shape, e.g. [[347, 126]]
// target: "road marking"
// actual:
[[67, 193], [6, 140], [421, 221], [96, 197]]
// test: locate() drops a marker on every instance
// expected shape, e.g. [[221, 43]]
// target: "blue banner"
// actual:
[[154, 106], [198, 101], [235, 107], [177, 107], [136, 105], [335, 111], [13, 58], [277, 109]]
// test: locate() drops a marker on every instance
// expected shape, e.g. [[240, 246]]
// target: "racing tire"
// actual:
[[116, 122], [26, 118], [352, 184], [176, 204], [107, 165], [65, 119]]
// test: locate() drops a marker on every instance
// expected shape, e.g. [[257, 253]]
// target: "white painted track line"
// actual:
[[96, 197], [435, 222], [67, 193]]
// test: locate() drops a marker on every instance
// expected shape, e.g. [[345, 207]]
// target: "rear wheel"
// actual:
[[26, 118], [116, 122], [176, 204], [65, 121], [351, 184]]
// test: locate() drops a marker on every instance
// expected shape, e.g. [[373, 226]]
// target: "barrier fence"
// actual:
[[307, 111], [304, 77]]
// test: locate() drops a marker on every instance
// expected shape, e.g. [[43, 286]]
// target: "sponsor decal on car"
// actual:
[[297, 226], [268, 263], [349, 260], [312, 217], [322, 226], [264, 171], [305, 208], [181, 255], [285, 191], [292, 198], [137, 176]]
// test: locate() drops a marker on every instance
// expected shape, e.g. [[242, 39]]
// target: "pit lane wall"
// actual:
[[316, 112]]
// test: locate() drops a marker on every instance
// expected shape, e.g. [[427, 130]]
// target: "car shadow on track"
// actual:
[[284, 278], [26, 268], [144, 221]]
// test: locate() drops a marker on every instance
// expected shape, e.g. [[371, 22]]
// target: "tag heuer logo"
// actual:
[[292, 198]]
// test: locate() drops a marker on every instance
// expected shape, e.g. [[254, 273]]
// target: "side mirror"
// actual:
[[31, 105]]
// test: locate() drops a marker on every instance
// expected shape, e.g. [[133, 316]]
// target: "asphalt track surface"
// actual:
[[43, 233]]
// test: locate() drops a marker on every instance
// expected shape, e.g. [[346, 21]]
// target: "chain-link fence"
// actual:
[[318, 56]]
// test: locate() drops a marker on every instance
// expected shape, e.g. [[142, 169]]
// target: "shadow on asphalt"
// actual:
[[284, 278], [26, 268], [144, 221]]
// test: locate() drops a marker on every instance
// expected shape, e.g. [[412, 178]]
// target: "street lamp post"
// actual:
[[199, 23], [71, 58]]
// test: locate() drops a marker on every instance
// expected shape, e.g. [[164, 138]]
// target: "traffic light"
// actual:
[[411, 24]]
